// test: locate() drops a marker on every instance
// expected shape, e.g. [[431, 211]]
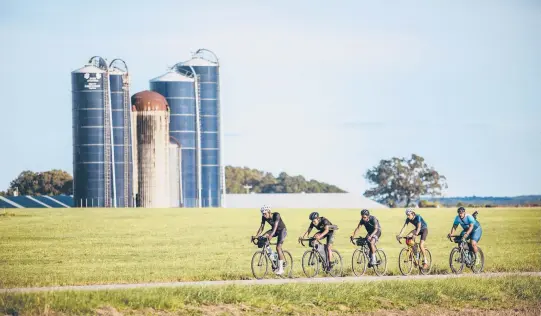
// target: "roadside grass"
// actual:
[[305, 299], [100, 246]]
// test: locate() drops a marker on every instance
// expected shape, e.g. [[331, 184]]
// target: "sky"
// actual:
[[325, 90]]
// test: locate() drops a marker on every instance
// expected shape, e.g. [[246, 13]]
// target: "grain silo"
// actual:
[[180, 90], [175, 173], [151, 113], [91, 135], [206, 66], [122, 136]]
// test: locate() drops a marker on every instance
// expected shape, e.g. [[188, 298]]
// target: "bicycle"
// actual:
[[316, 256], [361, 257], [261, 259], [465, 256], [411, 255]]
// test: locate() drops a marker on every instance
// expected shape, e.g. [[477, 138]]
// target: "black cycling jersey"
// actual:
[[371, 224], [274, 218], [321, 225]]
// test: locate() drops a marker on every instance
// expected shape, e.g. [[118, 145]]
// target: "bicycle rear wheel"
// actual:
[[310, 263], [358, 262], [428, 261], [405, 261], [456, 261], [381, 267], [478, 268], [336, 266], [260, 265], [288, 265]]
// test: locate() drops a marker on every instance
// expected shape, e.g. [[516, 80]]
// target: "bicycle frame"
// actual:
[[268, 251], [365, 247], [465, 248], [323, 259], [414, 250]]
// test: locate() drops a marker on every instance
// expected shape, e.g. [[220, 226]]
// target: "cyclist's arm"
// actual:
[[418, 228], [402, 230], [325, 232], [355, 231], [453, 229], [376, 228], [260, 229], [307, 232], [470, 228], [275, 226]]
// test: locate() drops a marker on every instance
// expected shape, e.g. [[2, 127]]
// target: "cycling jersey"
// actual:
[[274, 218], [466, 221], [321, 225], [415, 221], [371, 224]]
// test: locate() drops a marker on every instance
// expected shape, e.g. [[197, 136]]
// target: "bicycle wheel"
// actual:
[[456, 261], [381, 267], [478, 268], [260, 265], [405, 261], [310, 263], [428, 261], [288, 265], [358, 262], [336, 265]]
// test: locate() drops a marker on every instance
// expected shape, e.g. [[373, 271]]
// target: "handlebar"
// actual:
[[306, 239], [254, 240], [404, 237]]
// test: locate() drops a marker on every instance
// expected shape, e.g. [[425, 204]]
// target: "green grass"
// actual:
[[97, 246], [315, 299]]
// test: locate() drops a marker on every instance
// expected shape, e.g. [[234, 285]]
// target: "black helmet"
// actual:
[[365, 212], [313, 216], [461, 209]]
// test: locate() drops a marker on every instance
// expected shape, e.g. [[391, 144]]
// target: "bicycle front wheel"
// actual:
[[310, 263], [428, 260], [288, 265], [456, 260], [336, 264], [358, 262], [405, 261], [260, 265], [381, 267], [478, 267]]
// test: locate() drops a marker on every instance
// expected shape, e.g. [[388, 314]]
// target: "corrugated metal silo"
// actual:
[[175, 172], [181, 94], [122, 138], [212, 171], [152, 117], [90, 97]]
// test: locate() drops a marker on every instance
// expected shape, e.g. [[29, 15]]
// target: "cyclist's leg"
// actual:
[[372, 246], [475, 237], [330, 241], [424, 234], [281, 237]]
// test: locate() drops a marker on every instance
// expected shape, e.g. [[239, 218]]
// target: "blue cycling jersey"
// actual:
[[466, 221], [415, 221]]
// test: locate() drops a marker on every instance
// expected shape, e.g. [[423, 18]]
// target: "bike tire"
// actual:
[[336, 272], [456, 270], [288, 265], [359, 258], [260, 259], [405, 256], [429, 259], [478, 268], [381, 268], [310, 258]]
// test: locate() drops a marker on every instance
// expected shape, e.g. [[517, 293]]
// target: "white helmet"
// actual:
[[409, 211], [265, 208]]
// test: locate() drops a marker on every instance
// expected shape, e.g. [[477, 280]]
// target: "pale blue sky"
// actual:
[[315, 88]]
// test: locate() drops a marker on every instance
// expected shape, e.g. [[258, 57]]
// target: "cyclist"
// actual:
[[373, 230], [326, 230], [471, 229], [421, 228], [278, 229]]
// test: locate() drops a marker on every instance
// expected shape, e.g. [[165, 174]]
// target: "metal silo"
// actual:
[[206, 66], [152, 116], [175, 172], [122, 138], [91, 136], [181, 94]]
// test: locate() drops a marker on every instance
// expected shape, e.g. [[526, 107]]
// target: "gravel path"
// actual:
[[261, 282]]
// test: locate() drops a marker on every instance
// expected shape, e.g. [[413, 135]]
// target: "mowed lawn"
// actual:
[[97, 246]]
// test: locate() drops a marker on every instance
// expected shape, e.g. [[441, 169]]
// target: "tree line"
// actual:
[[53, 182]]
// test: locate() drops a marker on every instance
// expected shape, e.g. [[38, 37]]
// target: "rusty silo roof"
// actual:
[[149, 101]]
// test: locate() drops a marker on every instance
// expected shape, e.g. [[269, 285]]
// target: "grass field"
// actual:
[[498, 296], [97, 246]]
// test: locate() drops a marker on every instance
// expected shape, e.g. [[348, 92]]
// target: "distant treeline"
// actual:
[[264, 182], [489, 201]]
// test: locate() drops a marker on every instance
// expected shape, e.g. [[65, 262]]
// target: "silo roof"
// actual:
[[197, 61], [172, 76], [116, 71], [89, 69], [149, 101]]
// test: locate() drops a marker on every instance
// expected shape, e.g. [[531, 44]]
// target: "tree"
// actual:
[[401, 180], [53, 182]]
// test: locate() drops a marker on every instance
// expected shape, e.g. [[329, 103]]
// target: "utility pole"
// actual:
[[247, 187]]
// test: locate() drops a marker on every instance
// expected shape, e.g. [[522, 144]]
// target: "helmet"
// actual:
[[265, 208], [365, 212], [313, 216], [461, 209], [409, 211]]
